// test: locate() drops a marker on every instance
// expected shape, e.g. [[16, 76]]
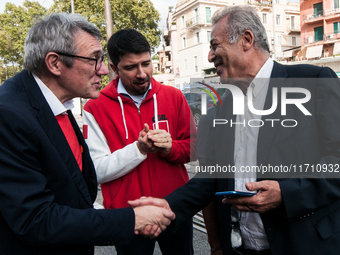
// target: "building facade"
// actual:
[[192, 20], [320, 29]]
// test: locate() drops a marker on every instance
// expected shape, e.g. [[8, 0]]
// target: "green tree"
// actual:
[[137, 14], [14, 24]]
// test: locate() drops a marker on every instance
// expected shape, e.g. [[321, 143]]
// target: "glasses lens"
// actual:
[[235, 238], [99, 62]]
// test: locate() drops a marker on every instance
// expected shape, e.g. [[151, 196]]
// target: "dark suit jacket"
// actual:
[[46, 201], [308, 221]]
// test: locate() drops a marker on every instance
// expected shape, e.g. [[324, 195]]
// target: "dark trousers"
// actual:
[[170, 243]]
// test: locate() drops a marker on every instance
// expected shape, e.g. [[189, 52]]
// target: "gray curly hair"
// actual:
[[240, 19]]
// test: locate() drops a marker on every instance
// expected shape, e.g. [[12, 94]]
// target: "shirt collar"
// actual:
[[56, 106], [121, 90], [262, 77]]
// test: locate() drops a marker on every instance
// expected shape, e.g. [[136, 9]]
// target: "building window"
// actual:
[[278, 19], [264, 18], [279, 40], [292, 22], [294, 41], [277, 1], [209, 36], [208, 14], [182, 21], [196, 15], [336, 27], [184, 42], [196, 65], [336, 4], [318, 34], [318, 10], [197, 37]]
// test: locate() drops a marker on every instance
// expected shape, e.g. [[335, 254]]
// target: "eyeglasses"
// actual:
[[235, 237], [99, 60]]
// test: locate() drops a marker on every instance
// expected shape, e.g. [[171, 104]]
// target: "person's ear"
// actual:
[[114, 68], [53, 63], [247, 40]]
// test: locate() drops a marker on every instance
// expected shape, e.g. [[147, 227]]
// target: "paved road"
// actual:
[[200, 243]]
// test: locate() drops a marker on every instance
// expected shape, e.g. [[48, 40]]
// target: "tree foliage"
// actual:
[[16, 21], [14, 25], [137, 14]]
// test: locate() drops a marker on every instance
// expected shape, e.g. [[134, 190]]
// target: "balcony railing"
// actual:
[[332, 11], [260, 3], [331, 37], [293, 28], [167, 48], [198, 20], [322, 13], [168, 63], [312, 16], [325, 37]]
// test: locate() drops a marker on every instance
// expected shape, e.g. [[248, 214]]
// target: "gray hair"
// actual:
[[55, 33], [240, 19]]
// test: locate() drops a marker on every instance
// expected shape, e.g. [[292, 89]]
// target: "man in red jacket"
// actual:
[[140, 135]]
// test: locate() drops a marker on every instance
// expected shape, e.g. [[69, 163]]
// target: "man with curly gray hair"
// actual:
[[286, 212]]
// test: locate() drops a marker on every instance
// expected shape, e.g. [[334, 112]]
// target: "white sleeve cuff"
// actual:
[[109, 166]]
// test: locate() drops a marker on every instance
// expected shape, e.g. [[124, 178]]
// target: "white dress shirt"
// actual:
[[56, 106], [245, 154]]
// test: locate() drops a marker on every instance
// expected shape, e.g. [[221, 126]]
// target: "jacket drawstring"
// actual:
[[155, 113], [155, 110], [122, 108]]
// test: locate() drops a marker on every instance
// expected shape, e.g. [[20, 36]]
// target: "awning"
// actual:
[[314, 51], [288, 54], [336, 49]]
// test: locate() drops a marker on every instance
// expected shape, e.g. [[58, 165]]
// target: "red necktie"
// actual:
[[70, 134]]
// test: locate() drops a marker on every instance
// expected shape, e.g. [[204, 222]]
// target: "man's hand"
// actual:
[[151, 230], [161, 139], [152, 220], [160, 202], [144, 144], [267, 198]]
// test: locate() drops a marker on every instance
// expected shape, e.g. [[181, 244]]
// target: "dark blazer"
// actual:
[[46, 201], [308, 221]]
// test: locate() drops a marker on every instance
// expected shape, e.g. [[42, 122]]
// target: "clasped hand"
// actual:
[[152, 216], [157, 140]]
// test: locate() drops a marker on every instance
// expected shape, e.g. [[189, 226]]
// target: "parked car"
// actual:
[[194, 101]]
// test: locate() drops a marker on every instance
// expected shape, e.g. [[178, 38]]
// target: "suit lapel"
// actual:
[[267, 132], [53, 131]]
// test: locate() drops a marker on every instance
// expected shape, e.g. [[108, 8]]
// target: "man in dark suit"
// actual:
[[48, 182], [294, 212]]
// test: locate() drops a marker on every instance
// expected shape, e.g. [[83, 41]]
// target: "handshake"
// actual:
[[152, 216]]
